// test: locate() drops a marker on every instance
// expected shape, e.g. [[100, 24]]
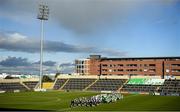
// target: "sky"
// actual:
[[79, 28]]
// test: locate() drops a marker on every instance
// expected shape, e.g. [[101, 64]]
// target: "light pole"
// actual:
[[42, 15]]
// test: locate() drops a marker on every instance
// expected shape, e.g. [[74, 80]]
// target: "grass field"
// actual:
[[60, 101]]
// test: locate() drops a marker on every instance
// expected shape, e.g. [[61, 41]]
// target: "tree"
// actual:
[[57, 74], [8, 77], [46, 79]]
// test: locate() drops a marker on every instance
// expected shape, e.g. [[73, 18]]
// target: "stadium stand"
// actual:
[[144, 81], [31, 84], [136, 81], [95, 83], [78, 83], [139, 88], [47, 85], [10, 87], [59, 83], [170, 87], [142, 85], [107, 85], [154, 81]]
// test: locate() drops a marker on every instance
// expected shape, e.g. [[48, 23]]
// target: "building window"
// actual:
[[131, 70], [152, 65], [104, 65], [175, 65], [120, 70], [175, 70], [152, 74], [104, 70], [133, 75], [145, 70], [120, 65], [110, 70], [131, 65], [152, 70]]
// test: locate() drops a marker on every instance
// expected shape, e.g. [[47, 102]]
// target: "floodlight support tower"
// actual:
[[42, 15]]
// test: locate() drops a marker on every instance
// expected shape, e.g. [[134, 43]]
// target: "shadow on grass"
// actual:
[[14, 109]]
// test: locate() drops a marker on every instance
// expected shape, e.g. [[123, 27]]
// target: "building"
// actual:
[[143, 66], [82, 66]]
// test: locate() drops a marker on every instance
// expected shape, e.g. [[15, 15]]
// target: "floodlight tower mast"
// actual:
[[42, 15]]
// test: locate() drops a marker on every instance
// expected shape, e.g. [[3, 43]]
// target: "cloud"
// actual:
[[47, 63], [14, 62], [19, 43], [66, 64], [19, 61], [22, 65], [80, 16], [112, 52], [66, 68]]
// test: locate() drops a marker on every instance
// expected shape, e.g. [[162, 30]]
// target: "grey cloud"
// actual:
[[47, 63], [19, 61], [22, 65], [66, 64], [13, 62], [66, 68], [80, 16], [17, 42], [111, 52]]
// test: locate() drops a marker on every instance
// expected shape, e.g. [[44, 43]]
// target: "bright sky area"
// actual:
[[78, 28]]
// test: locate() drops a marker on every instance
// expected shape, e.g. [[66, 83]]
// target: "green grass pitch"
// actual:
[[59, 101]]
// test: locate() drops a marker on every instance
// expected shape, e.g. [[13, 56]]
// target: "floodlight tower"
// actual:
[[42, 15]]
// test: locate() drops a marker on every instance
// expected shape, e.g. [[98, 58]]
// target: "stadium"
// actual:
[[139, 94], [117, 83]]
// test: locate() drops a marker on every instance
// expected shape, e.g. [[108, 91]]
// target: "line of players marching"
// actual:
[[96, 100]]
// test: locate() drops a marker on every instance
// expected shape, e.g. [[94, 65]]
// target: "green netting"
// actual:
[[137, 81], [23, 77], [144, 81], [155, 82]]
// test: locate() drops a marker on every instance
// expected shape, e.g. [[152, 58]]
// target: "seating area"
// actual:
[[59, 83], [107, 85], [170, 87], [139, 88], [144, 81], [154, 81], [136, 81], [133, 85], [78, 83], [47, 85], [31, 84], [142, 85], [10, 87]]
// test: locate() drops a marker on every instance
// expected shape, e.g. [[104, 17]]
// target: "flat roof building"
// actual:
[[133, 66]]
